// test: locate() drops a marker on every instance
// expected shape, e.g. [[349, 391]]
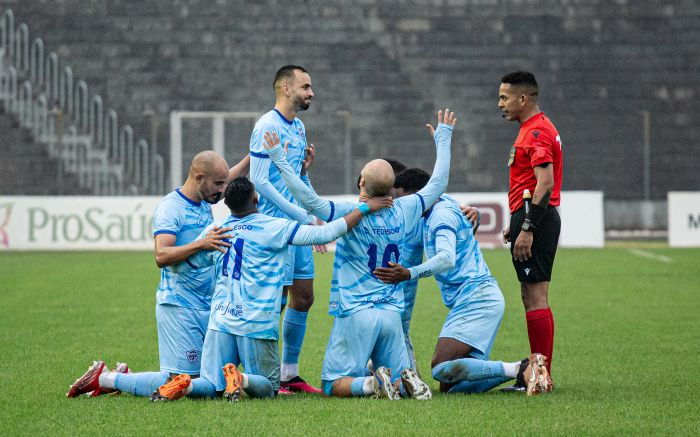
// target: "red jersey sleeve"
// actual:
[[539, 147]]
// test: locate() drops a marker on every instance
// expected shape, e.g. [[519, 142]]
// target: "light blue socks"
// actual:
[[140, 384]]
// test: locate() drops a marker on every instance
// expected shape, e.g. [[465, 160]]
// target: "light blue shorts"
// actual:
[[475, 318], [302, 258], [258, 357], [180, 338], [369, 333]]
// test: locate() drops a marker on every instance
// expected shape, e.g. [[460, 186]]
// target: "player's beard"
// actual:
[[215, 200], [302, 105]]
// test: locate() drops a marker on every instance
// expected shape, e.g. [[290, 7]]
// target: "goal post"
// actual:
[[217, 119]]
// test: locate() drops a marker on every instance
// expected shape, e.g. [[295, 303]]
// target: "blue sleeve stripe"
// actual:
[[191, 265], [422, 202], [330, 218], [165, 231], [294, 232], [259, 155], [441, 227]]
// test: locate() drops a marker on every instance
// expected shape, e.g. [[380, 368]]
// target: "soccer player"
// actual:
[[412, 255], [535, 164], [293, 92], [368, 312], [243, 327], [476, 304], [183, 299]]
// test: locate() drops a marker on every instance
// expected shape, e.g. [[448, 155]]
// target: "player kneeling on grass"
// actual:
[[244, 321], [367, 311], [470, 292]]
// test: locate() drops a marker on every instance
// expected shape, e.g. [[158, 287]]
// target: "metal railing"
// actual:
[[48, 102]]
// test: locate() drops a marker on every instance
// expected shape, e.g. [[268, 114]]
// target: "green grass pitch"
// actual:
[[626, 356]]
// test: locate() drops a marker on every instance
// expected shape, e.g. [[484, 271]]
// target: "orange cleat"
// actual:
[[234, 383], [174, 389]]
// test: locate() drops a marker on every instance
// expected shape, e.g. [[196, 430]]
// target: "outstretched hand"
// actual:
[[393, 274], [215, 239], [377, 203], [449, 118], [472, 214], [309, 158], [271, 140]]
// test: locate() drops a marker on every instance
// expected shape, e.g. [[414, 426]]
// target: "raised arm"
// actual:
[[307, 235], [306, 196], [441, 172], [240, 169]]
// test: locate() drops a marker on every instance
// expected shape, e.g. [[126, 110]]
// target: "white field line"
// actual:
[[649, 255]]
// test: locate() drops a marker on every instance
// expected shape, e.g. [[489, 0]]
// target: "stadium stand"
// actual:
[[600, 65]]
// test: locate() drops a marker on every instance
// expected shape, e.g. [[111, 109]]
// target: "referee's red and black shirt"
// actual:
[[538, 143]]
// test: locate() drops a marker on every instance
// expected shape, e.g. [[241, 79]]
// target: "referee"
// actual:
[[535, 164]]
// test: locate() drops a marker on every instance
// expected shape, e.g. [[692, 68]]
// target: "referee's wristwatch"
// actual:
[[527, 226]]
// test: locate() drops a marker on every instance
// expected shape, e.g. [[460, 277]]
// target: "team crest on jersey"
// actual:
[[192, 355], [536, 133]]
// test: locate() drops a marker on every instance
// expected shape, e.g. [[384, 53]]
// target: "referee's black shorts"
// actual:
[[544, 246]]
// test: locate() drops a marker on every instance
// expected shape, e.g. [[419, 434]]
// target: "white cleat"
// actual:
[[415, 387], [383, 388]]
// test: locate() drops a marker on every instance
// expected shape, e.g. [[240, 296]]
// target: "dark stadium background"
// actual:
[[618, 78]]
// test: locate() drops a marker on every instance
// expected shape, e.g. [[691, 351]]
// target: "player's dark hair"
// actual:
[[523, 79], [238, 195], [286, 72], [411, 180], [396, 165]]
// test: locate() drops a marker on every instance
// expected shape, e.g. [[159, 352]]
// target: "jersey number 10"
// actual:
[[391, 249]]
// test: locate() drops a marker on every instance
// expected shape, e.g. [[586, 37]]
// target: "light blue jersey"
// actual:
[[470, 268], [249, 276], [375, 242], [412, 254], [275, 198], [185, 219]]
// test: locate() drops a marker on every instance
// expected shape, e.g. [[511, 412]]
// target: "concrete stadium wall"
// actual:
[[393, 63]]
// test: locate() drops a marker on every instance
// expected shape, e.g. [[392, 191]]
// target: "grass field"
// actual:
[[626, 357]]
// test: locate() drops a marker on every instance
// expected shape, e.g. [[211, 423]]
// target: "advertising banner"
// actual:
[[124, 223], [684, 219]]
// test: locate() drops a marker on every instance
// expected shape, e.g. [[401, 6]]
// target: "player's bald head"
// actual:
[[210, 164], [378, 177]]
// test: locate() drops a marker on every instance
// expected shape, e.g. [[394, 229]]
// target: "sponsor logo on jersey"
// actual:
[[386, 231], [243, 227]]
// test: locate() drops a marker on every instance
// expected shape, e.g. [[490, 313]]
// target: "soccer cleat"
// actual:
[[284, 392], [297, 384], [535, 375], [383, 388], [234, 383], [520, 385], [90, 380], [174, 389], [118, 368], [414, 386]]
